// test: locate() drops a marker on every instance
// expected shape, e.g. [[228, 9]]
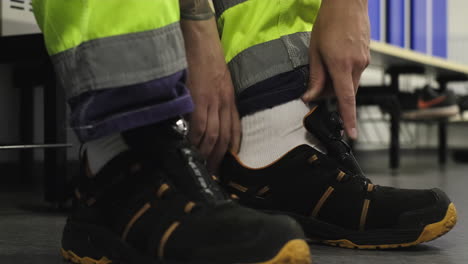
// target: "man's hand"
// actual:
[[214, 125], [339, 51]]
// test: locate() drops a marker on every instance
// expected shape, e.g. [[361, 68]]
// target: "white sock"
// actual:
[[269, 134], [102, 150]]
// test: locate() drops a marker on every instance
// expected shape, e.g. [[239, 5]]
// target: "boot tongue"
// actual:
[[328, 128]]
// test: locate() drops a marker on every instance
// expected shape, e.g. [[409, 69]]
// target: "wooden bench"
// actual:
[[396, 61]]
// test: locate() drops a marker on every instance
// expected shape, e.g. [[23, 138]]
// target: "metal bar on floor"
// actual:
[[35, 146]]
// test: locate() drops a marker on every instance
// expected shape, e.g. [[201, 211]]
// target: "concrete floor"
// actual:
[[30, 232]]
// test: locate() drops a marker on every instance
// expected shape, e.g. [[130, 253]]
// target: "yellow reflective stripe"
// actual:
[[67, 24], [258, 21]]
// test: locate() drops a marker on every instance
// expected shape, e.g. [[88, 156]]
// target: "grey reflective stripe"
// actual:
[[121, 60], [223, 5], [268, 59]]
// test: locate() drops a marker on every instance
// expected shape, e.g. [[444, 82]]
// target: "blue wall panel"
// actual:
[[374, 16], [419, 25], [439, 28], [396, 22]]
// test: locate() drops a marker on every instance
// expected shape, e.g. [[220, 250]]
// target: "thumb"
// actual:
[[317, 79]]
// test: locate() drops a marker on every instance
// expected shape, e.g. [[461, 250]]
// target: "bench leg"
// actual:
[[394, 136], [55, 159], [442, 151], [26, 156], [442, 142], [395, 117]]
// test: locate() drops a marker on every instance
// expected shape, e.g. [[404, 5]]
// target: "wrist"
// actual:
[[203, 47]]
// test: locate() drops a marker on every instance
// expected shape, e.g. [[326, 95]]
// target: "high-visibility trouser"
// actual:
[[121, 62], [263, 39]]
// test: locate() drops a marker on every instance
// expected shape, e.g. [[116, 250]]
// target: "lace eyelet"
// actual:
[[189, 207], [162, 190], [312, 159]]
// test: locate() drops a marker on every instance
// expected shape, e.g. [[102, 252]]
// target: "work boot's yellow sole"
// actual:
[[294, 252], [430, 232]]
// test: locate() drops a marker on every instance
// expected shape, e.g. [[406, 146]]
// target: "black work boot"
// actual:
[[333, 200], [156, 203]]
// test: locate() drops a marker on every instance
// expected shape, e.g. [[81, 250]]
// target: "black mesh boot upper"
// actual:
[[329, 194], [157, 202]]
